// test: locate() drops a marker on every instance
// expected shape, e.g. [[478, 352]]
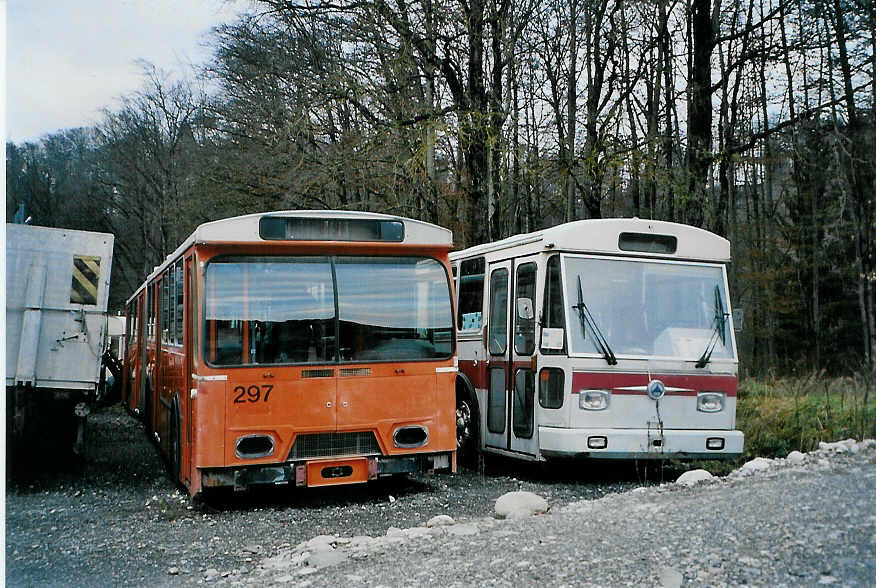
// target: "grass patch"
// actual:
[[781, 415]]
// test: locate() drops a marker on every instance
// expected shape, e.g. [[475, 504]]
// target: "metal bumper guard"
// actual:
[[324, 472], [639, 443]]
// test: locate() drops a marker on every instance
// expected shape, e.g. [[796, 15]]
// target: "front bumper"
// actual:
[[325, 472], [638, 443]]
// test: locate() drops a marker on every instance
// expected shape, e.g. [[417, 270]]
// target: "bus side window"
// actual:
[[178, 303], [150, 310], [553, 317], [135, 321], [471, 294], [524, 319], [163, 300]]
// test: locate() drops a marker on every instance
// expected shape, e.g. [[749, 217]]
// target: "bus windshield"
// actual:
[[317, 310], [649, 308]]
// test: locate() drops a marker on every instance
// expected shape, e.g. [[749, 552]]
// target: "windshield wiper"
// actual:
[[719, 331], [586, 318]]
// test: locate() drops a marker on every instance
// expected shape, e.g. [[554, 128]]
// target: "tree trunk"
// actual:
[[859, 207], [699, 117], [476, 137], [572, 112]]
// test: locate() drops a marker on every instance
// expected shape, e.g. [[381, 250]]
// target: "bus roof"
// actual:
[[245, 229], [617, 236]]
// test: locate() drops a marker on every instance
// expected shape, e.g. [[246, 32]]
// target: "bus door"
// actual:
[[510, 372], [132, 350], [187, 398], [147, 301]]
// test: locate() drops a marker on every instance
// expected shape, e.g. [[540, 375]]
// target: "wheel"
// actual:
[[147, 408], [175, 450], [467, 437]]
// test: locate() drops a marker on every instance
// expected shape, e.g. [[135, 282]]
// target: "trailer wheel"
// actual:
[[467, 423]]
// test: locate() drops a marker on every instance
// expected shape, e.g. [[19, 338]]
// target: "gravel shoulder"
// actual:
[[117, 520], [783, 524]]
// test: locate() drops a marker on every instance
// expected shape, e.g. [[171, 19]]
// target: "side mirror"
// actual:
[[524, 309]]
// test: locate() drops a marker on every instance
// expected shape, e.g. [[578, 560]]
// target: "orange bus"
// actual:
[[297, 347]]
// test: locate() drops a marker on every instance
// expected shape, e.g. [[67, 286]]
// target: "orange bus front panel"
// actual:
[[269, 397]]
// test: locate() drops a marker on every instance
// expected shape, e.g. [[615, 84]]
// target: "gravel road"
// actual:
[[116, 518]]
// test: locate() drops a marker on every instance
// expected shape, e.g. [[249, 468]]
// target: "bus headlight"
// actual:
[[594, 399], [710, 401]]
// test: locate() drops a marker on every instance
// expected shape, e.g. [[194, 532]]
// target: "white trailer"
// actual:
[[57, 287]]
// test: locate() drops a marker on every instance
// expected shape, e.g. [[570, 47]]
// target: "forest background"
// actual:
[[754, 120]]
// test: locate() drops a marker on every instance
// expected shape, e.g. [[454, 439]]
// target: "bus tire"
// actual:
[[467, 423], [174, 458], [147, 408]]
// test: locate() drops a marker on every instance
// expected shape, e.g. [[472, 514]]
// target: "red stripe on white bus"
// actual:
[[687, 385]]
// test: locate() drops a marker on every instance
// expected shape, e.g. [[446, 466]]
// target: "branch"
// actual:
[[754, 138]]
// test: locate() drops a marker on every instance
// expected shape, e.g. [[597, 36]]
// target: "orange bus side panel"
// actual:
[[208, 416]]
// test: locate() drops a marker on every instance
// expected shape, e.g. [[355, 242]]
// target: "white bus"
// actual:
[[608, 338]]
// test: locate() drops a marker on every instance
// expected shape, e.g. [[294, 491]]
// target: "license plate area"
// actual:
[[337, 471]]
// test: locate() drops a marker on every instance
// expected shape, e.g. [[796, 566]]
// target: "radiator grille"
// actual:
[[355, 371], [334, 445], [317, 373]]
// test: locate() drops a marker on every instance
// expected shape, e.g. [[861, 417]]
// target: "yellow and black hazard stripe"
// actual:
[[86, 273]]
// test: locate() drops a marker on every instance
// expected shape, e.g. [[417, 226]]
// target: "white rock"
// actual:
[[441, 520], [670, 578], [278, 563], [398, 539], [520, 504], [693, 477], [416, 532], [173, 571], [796, 458], [323, 559], [464, 530], [844, 446], [318, 543], [361, 542], [758, 464], [867, 444]]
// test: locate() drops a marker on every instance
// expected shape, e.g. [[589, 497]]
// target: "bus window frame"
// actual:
[[542, 321], [460, 291], [337, 361], [680, 262]]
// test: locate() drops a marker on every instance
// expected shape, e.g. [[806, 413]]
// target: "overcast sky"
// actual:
[[68, 59]]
